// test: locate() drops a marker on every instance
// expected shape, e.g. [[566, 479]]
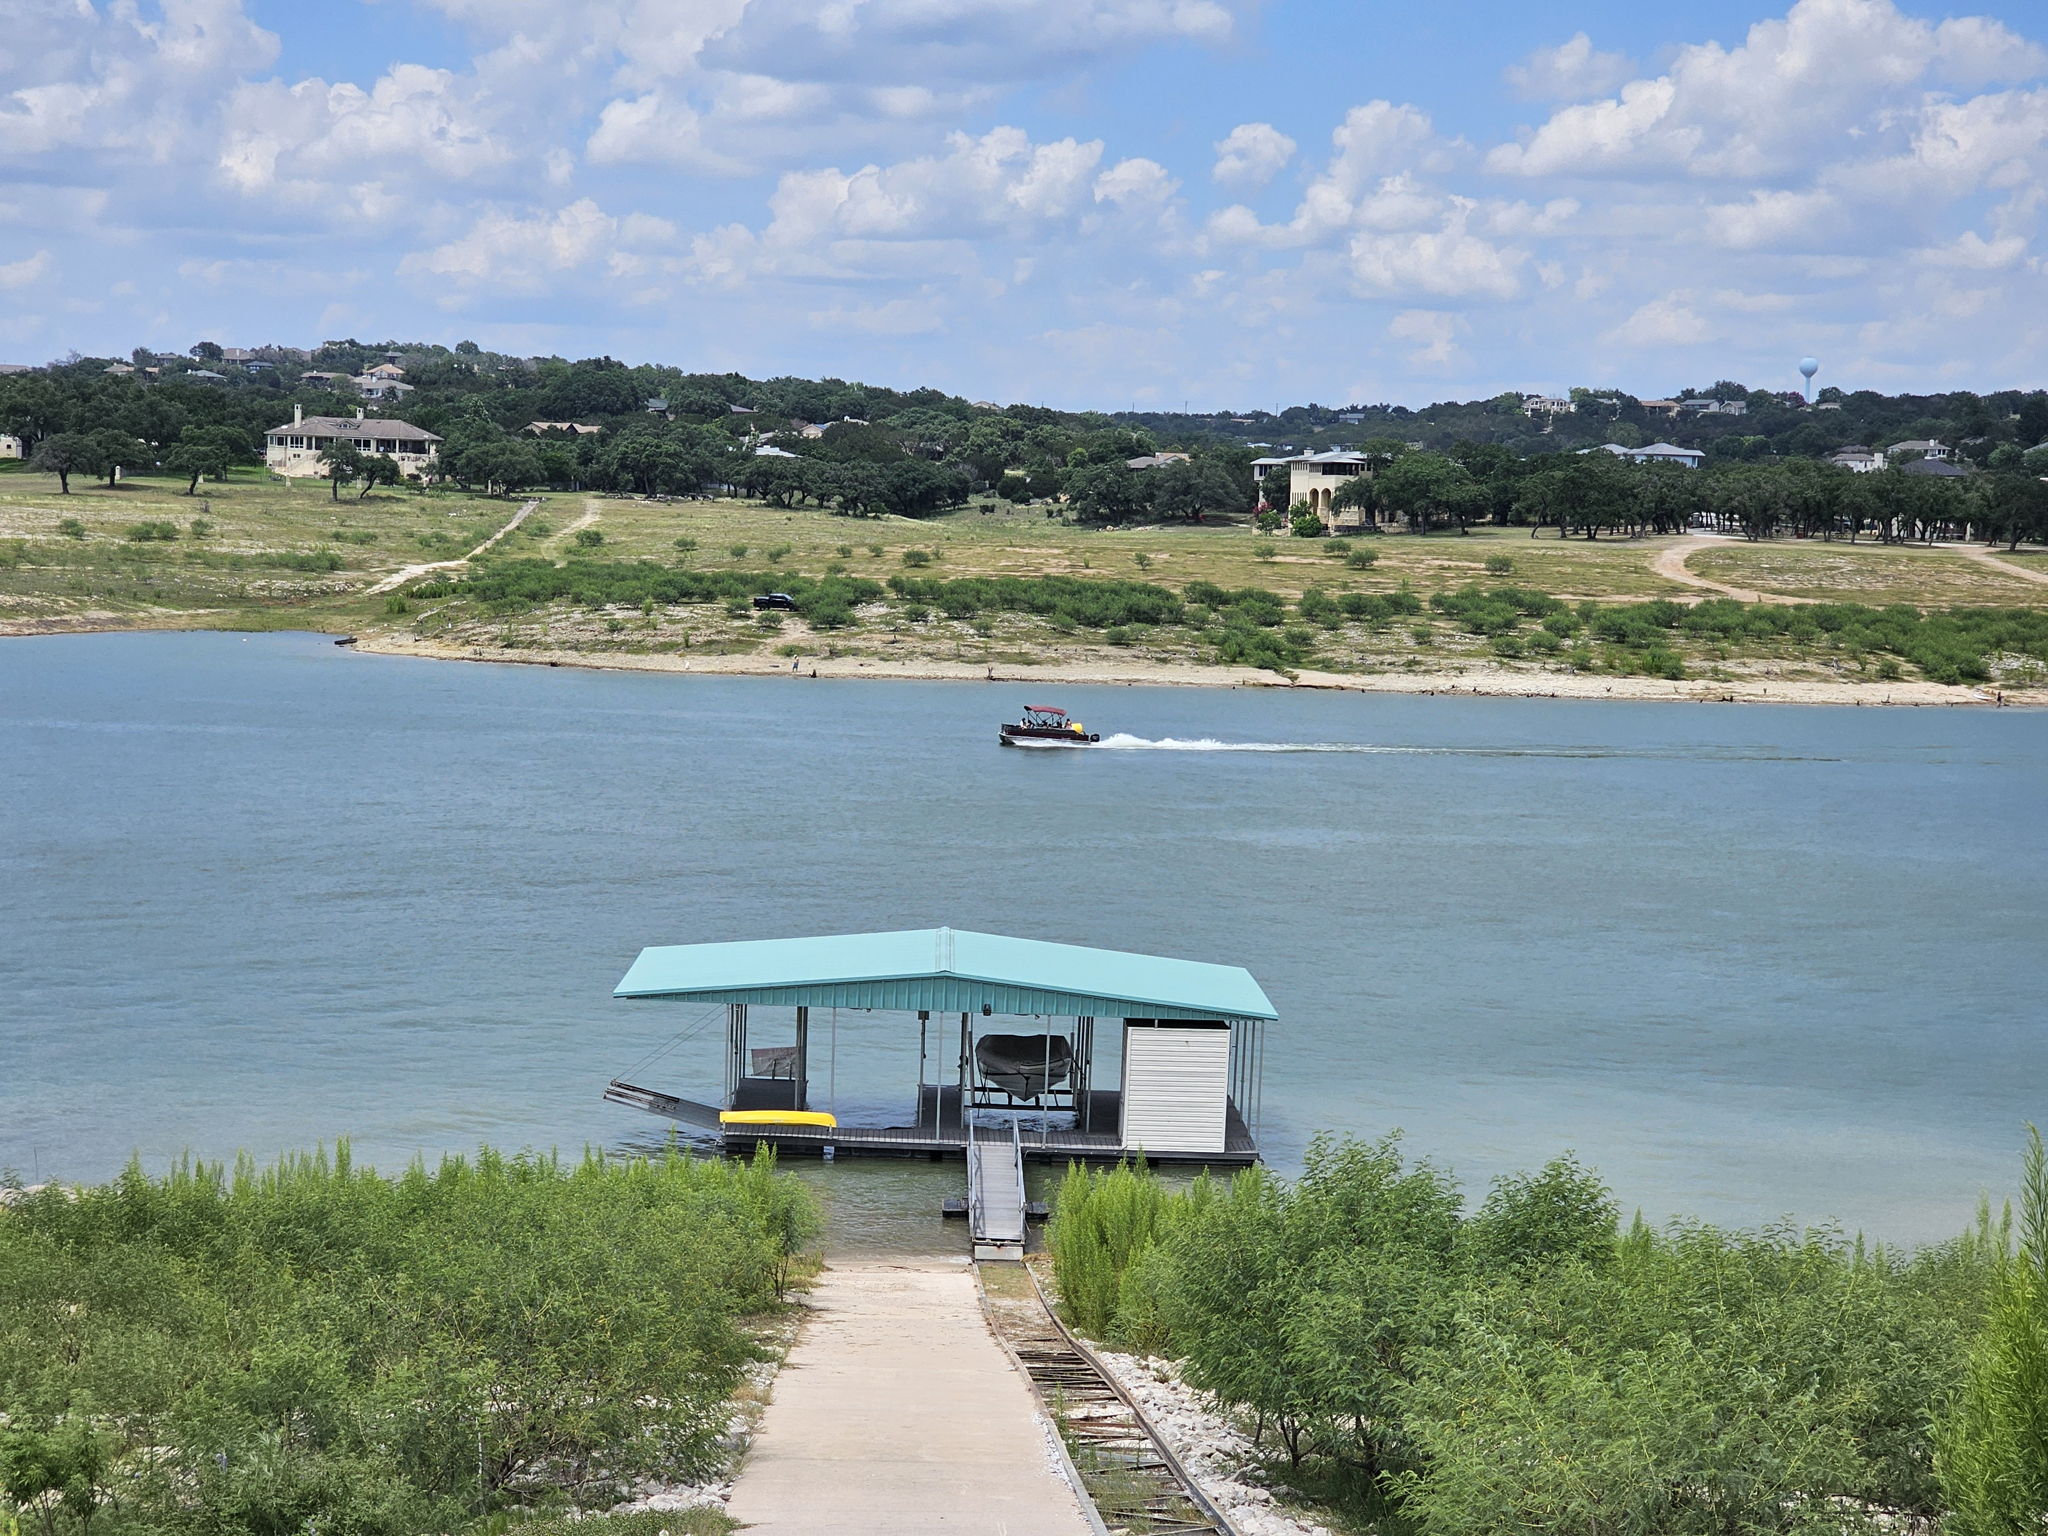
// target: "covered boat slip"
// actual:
[[1123, 1054]]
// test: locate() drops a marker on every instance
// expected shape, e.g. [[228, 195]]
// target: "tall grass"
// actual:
[[1993, 1449], [1104, 1222]]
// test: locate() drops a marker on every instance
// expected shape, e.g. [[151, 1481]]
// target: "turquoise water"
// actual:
[[1750, 961]]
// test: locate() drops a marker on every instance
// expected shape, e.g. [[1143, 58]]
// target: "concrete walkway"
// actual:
[[897, 1412]]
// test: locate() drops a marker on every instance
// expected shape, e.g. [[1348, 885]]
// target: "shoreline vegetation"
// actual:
[[1356, 1342], [996, 592], [485, 1345]]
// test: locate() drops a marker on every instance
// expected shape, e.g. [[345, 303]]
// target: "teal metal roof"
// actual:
[[946, 970]]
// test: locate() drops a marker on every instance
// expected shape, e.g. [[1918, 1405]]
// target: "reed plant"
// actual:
[[1993, 1445]]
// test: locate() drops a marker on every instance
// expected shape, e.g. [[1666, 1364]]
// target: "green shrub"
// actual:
[[686, 544], [1264, 549], [589, 538], [199, 527], [396, 605], [1500, 565], [777, 553], [312, 1347], [737, 551], [153, 532], [917, 559], [70, 528], [1362, 559]]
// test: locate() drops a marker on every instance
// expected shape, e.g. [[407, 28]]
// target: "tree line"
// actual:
[[1588, 495]]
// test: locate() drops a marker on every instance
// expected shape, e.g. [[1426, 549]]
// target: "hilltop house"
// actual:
[[1547, 405], [574, 428], [386, 371], [1857, 459], [1154, 460], [379, 386], [1655, 453], [1925, 447], [294, 449]]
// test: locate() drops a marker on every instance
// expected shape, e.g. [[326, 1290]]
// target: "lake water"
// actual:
[[259, 891]]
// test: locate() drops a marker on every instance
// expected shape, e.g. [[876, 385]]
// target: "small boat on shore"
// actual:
[[1044, 726]]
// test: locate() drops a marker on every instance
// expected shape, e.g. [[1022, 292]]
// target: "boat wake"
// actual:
[[1124, 742]]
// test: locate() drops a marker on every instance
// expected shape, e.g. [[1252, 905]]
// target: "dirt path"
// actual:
[[1670, 563], [897, 1411], [400, 577], [1989, 557]]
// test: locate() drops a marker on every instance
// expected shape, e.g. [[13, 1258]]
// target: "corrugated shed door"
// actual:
[[1176, 1087]]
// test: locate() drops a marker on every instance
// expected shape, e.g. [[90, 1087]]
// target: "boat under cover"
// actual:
[[1024, 1066]]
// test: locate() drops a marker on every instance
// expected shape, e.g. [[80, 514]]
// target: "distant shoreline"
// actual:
[[1468, 682], [1475, 682]]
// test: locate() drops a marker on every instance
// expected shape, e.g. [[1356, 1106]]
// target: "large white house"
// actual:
[[10, 446], [1655, 453], [294, 449]]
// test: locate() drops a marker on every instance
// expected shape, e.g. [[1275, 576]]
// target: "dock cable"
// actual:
[[682, 1037]]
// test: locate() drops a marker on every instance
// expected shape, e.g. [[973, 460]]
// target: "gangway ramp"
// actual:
[[995, 1193]]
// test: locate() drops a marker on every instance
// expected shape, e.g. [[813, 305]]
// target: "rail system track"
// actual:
[[1138, 1485]]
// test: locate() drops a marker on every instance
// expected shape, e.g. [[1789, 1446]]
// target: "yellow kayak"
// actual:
[[777, 1117]]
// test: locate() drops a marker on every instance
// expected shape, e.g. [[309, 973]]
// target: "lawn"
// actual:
[[1867, 573], [252, 550]]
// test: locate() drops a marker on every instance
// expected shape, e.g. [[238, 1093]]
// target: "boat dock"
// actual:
[[1124, 1056]]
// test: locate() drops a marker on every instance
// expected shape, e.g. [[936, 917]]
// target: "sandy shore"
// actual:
[[1482, 682]]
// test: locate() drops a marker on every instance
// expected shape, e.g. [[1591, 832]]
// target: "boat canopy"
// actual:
[[1046, 709], [947, 970]]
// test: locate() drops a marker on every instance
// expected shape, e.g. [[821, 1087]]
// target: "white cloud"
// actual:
[[1571, 71], [509, 252], [1795, 90], [30, 269], [1666, 322], [414, 125], [1251, 155], [1449, 262], [1434, 333], [76, 78]]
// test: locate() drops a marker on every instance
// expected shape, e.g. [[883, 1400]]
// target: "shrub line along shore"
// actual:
[[1476, 682]]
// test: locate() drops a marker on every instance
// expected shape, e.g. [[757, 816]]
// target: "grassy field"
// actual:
[[252, 552], [261, 553], [1865, 573]]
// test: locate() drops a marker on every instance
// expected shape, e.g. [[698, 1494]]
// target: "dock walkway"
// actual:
[[995, 1196], [898, 1412]]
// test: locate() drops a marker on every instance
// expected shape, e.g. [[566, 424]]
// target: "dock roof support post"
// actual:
[[964, 1048], [924, 1023], [803, 1058]]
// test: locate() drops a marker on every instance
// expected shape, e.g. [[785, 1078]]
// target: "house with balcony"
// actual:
[[294, 449]]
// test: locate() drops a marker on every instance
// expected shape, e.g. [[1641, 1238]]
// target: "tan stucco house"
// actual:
[[294, 448]]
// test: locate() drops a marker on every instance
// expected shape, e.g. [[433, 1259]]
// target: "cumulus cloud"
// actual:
[[1433, 333], [1827, 72], [30, 269], [1571, 71], [1251, 155], [414, 124], [519, 253]]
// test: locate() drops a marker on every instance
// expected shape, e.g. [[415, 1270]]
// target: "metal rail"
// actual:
[[1140, 1486]]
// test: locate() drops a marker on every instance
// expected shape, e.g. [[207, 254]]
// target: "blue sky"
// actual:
[[1080, 202]]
